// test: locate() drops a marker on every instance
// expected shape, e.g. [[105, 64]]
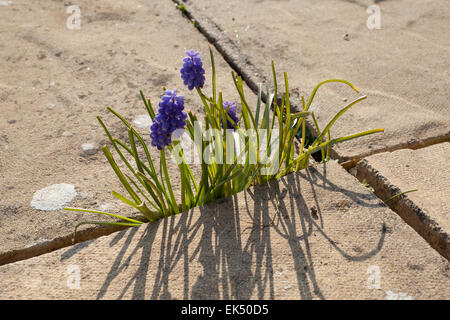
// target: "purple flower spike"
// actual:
[[192, 71], [230, 107], [169, 118]]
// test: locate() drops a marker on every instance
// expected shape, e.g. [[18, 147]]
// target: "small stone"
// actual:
[[106, 206], [12, 121], [89, 148], [54, 197], [5, 3], [353, 171], [346, 37], [143, 121], [67, 134], [50, 105], [344, 99], [288, 287]]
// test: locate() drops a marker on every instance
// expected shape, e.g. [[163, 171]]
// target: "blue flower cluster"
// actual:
[[169, 118], [230, 107], [192, 71]]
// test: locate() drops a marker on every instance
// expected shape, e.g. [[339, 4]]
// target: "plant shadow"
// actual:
[[226, 249]]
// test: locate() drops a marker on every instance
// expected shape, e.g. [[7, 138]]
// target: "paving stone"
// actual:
[[402, 67], [316, 234], [120, 49], [426, 210]]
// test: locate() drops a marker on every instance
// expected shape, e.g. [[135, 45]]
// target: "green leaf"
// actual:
[[258, 105], [400, 194], [120, 175], [173, 202], [311, 97], [148, 105], [213, 78], [103, 213], [341, 112]]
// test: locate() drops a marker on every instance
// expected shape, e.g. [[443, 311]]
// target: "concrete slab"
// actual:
[[426, 210], [402, 67], [54, 81], [317, 234]]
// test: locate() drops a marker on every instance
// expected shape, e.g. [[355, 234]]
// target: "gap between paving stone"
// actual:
[[349, 164], [45, 246], [427, 213], [412, 214], [253, 75]]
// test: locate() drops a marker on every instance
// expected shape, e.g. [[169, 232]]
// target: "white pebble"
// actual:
[[89, 148], [54, 197], [5, 3], [106, 206], [143, 121], [50, 105], [67, 134]]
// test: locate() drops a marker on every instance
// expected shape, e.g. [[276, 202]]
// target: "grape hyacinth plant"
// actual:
[[236, 151]]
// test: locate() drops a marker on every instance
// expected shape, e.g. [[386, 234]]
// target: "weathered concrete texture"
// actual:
[[402, 67], [55, 81], [316, 234], [426, 210]]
